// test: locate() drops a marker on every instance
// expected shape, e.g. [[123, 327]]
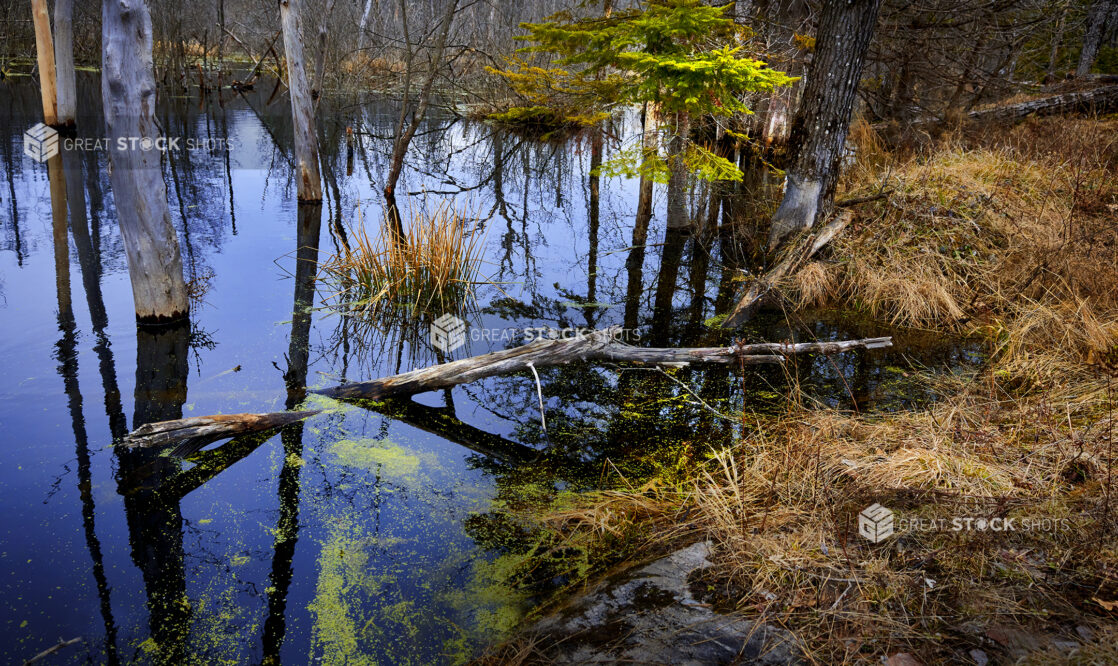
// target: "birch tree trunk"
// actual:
[[819, 131], [302, 105], [128, 90], [44, 51], [1096, 21], [64, 62]]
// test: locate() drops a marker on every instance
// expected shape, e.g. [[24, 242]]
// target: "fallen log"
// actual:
[[193, 433], [1099, 100], [198, 431], [797, 253], [599, 345]]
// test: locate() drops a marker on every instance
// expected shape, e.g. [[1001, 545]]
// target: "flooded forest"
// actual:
[[557, 331]]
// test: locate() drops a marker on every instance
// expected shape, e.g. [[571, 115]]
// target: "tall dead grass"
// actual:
[[433, 268]]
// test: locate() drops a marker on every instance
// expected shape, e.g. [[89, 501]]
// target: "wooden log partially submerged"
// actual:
[[593, 346], [198, 431], [603, 346]]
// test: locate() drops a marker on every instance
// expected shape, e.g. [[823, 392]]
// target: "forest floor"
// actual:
[[1005, 235]]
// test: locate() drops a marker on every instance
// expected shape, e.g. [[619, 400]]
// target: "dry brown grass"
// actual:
[[434, 268]]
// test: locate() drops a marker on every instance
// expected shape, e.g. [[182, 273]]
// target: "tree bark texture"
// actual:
[[1092, 39], [64, 62], [819, 130], [128, 89], [44, 51]]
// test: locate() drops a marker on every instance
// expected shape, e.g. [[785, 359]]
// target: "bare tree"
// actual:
[[819, 130], [302, 104], [128, 90]]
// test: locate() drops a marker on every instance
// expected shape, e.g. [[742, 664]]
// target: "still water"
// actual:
[[372, 534]]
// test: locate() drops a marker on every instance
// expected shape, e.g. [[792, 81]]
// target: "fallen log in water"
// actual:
[[193, 433], [593, 346], [798, 252], [201, 430]]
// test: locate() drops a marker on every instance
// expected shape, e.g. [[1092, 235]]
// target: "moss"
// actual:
[[383, 457]]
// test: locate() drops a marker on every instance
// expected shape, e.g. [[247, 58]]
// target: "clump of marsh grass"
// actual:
[[386, 278]]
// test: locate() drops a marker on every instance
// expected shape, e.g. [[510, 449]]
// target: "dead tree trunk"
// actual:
[[302, 105], [64, 63], [1092, 39], [128, 90], [44, 51], [819, 131]]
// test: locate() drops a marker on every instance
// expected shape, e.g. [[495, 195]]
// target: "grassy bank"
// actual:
[[1005, 235]]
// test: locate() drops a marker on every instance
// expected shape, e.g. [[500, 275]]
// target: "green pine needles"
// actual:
[[678, 56]]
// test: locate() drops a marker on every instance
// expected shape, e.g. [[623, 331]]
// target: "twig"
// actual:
[[539, 392], [54, 648]]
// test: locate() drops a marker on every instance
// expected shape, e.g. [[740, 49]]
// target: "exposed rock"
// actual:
[[648, 615]]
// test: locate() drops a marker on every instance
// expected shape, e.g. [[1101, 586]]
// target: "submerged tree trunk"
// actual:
[[64, 62], [1096, 21], [302, 105], [44, 51], [823, 118], [128, 89]]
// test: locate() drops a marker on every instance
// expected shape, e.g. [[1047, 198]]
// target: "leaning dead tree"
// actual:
[[593, 346], [128, 90], [302, 105], [819, 130], [1092, 39], [794, 256]]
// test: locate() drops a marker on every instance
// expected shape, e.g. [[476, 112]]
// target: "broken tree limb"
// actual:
[[599, 346], [798, 252], [198, 431]]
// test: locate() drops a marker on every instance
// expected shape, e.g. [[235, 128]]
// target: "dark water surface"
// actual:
[[360, 535]]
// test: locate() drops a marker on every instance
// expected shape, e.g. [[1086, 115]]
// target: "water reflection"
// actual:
[[372, 530]]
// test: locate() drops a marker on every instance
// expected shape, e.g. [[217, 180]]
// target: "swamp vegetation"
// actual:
[[922, 196]]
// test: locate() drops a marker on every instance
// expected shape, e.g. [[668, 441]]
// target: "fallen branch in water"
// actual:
[[798, 252], [198, 431], [52, 649], [593, 346], [193, 433]]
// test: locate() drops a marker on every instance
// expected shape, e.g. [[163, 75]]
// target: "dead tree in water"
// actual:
[[44, 51], [819, 131], [64, 62], [128, 89], [302, 105]]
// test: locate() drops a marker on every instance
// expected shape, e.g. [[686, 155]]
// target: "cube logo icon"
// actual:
[[448, 333], [40, 143], [875, 523]]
